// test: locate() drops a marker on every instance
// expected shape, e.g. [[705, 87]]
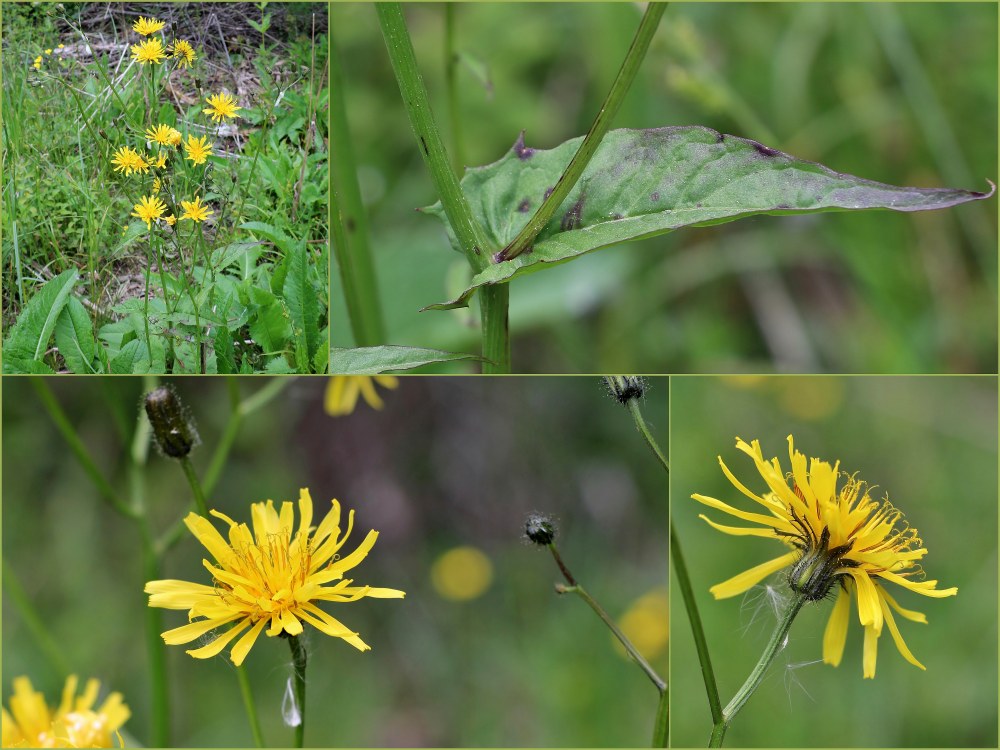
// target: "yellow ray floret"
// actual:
[[220, 106], [75, 722], [839, 538], [147, 26], [194, 210], [268, 577], [197, 150], [183, 52], [149, 51], [149, 209], [342, 392]]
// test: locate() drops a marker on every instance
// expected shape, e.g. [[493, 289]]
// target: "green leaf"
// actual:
[[372, 360], [269, 326], [75, 337], [29, 338], [130, 356], [300, 296], [642, 183], [224, 354]]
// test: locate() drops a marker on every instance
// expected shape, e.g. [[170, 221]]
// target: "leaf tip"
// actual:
[[523, 152]]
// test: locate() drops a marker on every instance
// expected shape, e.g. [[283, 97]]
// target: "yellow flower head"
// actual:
[[73, 723], [267, 577], [342, 392], [147, 26], [149, 209], [128, 161], [149, 51], [170, 219], [60, 46], [37, 64], [161, 161], [838, 538], [157, 184], [221, 105], [163, 134], [183, 52], [197, 149], [194, 210], [48, 52]]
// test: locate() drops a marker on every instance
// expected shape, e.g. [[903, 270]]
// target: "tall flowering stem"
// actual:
[[477, 245]]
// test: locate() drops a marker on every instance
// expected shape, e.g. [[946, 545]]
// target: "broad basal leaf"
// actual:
[[29, 337], [372, 360], [641, 183], [75, 337]]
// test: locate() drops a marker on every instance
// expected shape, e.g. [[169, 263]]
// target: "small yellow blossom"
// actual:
[[197, 149], [170, 219], [841, 540], [147, 26], [183, 52], [156, 184], [194, 210], [162, 134], [149, 51], [73, 723], [48, 52], [462, 574], [60, 46], [220, 106], [342, 392], [149, 208], [267, 577], [37, 65], [161, 161], [129, 161]]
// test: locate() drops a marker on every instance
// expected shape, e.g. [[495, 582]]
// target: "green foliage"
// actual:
[[642, 183], [28, 340], [65, 208], [372, 360]]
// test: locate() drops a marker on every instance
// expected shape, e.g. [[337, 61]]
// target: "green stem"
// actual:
[[576, 588], [472, 237], [701, 645], [33, 621], [154, 645], [196, 490], [451, 89], [661, 725], [573, 171], [771, 650], [640, 423], [251, 709], [299, 669], [145, 301], [78, 449], [350, 222]]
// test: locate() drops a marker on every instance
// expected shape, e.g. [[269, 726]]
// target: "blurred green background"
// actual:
[[931, 444], [447, 463], [902, 93]]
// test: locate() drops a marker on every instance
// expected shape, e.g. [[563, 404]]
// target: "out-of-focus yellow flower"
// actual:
[[268, 577], [461, 574], [342, 392], [37, 64], [73, 723], [647, 624]]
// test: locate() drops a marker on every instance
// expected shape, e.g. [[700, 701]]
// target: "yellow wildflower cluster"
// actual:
[[154, 51]]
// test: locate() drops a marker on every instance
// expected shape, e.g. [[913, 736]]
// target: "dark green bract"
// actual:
[[641, 183]]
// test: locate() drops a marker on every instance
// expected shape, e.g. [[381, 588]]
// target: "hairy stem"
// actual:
[[774, 646], [299, 660], [451, 87], [640, 423], [573, 171]]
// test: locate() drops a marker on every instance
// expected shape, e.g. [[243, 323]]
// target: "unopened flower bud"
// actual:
[[173, 429], [625, 387], [540, 529]]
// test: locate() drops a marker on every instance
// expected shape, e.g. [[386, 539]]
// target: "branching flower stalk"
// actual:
[[541, 531]]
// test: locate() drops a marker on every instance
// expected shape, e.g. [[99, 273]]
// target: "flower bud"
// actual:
[[173, 429], [540, 529], [625, 387]]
